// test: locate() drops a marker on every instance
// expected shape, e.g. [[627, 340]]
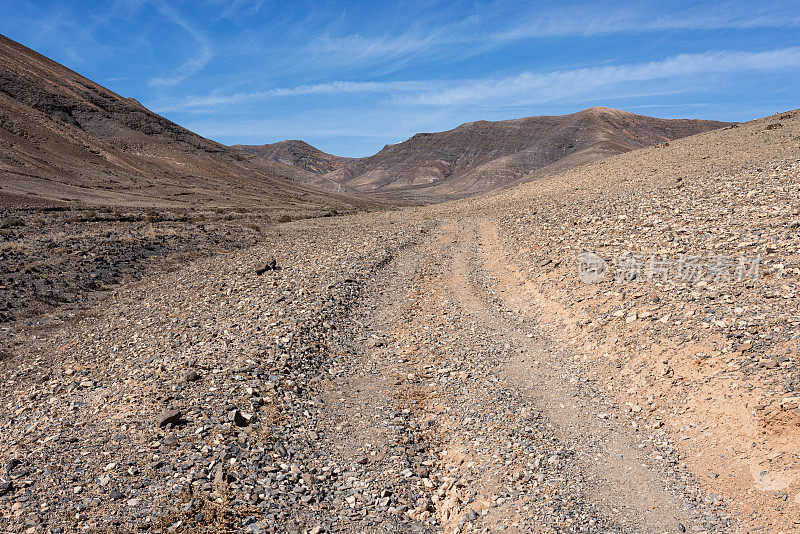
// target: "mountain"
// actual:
[[480, 156], [315, 163], [66, 139], [297, 154]]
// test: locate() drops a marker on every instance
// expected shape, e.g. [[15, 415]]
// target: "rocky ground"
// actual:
[[62, 259], [305, 398], [436, 369]]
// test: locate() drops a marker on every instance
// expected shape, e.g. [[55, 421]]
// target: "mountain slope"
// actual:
[[64, 138], [480, 156]]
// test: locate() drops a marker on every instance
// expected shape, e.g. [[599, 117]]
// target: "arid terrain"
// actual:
[[177, 366]]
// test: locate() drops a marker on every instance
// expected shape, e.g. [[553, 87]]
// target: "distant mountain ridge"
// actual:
[[66, 139], [480, 156]]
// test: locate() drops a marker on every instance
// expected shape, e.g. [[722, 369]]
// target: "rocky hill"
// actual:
[[66, 139], [435, 369]]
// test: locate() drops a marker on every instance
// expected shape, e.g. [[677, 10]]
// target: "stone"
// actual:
[[271, 265], [168, 417], [238, 418], [12, 464]]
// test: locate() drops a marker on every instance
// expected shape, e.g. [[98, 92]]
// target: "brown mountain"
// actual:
[[297, 154], [480, 156], [64, 138]]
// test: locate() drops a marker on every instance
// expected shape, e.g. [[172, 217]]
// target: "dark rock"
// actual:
[[271, 265], [12, 464], [238, 418], [168, 417]]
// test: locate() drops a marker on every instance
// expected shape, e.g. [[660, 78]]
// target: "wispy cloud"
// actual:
[[198, 103], [532, 87], [520, 89], [399, 48], [194, 64], [627, 19], [472, 35]]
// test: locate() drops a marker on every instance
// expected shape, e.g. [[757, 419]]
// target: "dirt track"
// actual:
[[435, 404], [526, 441]]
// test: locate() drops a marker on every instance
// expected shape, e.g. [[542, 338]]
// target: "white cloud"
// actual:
[[477, 34], [599, 21], [529, 87], [329, 88]]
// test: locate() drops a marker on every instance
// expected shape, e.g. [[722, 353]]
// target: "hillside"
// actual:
[[66, 139], [481, 156]]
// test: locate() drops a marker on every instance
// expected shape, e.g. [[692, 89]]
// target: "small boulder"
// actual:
[[12, 464], [168, 417]]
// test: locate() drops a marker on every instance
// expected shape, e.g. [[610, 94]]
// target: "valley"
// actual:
[[264, 339]]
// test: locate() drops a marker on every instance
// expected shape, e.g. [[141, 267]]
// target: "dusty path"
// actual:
[[506, 432]]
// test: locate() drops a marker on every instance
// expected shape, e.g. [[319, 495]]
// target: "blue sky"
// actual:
[[349, 77]]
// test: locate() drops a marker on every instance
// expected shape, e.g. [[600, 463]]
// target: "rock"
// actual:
[[271, 265], [168, 417], [12, 464], [374, 342], [115, 494], [191, 376], [6, 487], [238, 418], [219, 474], [472, 515]]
